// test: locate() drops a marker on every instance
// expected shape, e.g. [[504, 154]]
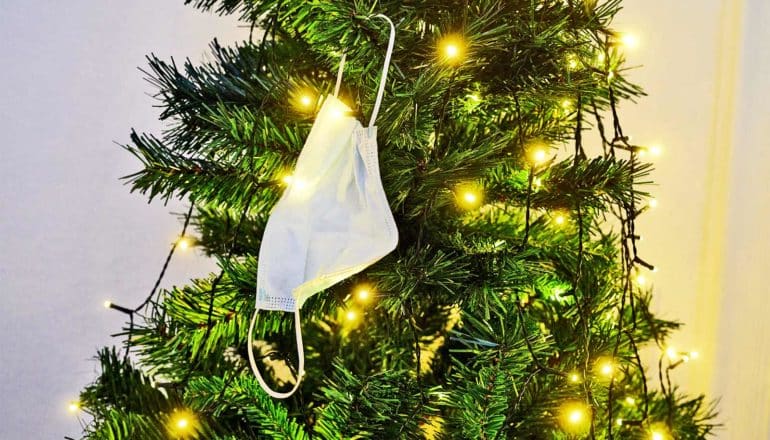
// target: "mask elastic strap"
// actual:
[[339, 75], [300, 352], [381, 91]]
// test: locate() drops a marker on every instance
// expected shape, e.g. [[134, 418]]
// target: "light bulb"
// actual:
[[363, 294], [468, 197], [539, 155], [559, 219], [641, 280], [73, 407], [574, 378], [653, 203], [351, 315], [630, 41], [575, 417], [619, 422], [183, 243], [566, 104], [287, 179], [630, 400], [107, 304], [605, 367], [672, 354], [452, 48], [655, 150], [694, 355], [306, 100], [657, 436], [182, 422]]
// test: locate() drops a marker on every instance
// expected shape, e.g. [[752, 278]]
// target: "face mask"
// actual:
[[331, 222]]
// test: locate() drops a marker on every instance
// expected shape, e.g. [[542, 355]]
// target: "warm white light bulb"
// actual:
[[451, 50], [641, 280], [574, 378], [183, 243], [559, 219], [306, 100], [539, 155], [653, 203], [470, 197], [73, 407], [351, 315], [630, 41], [575, 416], [182, 423], [107, 304], [363, 294], [657, 436]]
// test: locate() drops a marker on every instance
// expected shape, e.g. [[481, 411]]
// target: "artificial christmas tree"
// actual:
[[513, 305]]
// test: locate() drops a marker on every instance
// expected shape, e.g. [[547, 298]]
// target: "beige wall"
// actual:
[[707, 69]]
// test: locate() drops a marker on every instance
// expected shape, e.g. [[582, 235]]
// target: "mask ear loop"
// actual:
[[339, 75], [381, 91], [300, 353]]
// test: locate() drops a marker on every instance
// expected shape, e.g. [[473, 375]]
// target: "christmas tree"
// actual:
[[514, 305]]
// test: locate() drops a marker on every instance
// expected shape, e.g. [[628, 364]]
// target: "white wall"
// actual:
[[71, 236]]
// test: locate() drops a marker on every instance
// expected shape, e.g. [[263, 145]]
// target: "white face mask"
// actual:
[[331, 222]]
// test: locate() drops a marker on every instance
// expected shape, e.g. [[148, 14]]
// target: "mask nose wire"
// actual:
[[300, 353]]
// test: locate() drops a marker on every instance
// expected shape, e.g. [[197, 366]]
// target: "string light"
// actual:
[[287, 179], [605, 367], [560, 219], [183, 243], [653, 203], [351, 315], [304, 100], [107, 304], [575, 417], [659, 431], [363, 293], [641, 280], [182, 423], [630, 400], [629, 41], [468, 196], [539, 155], [566, 104], [619, 422], [73, 407], [672, 354], [451, 49], [574, 377]]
